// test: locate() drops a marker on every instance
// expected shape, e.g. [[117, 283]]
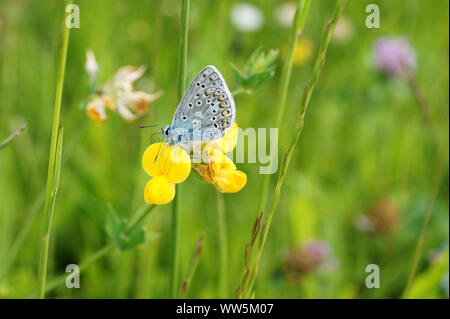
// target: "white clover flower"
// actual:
[[119, 95], [125, 77], [343, 31], [96, 110], [132, 104], [91, 65], [284, 14], [247, 17]]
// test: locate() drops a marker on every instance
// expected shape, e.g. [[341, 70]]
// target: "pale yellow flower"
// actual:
[[303, 51]]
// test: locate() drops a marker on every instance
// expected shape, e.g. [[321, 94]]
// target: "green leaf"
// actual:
[[260, 68], [117, 230]]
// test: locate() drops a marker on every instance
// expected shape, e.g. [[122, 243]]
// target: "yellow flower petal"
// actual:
[[230, 180], [172, 162], [220, 171], [159, 191], [228, 142]]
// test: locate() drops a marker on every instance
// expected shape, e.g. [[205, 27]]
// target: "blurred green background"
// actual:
[[364, 141]]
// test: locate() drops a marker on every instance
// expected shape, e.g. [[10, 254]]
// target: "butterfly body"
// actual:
[[204, 113]]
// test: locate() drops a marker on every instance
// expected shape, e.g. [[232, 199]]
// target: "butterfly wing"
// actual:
[[206, 110]]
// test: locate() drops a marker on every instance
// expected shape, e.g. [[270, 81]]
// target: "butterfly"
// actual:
[[204, 113]]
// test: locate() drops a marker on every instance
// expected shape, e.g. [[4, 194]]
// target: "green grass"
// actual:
[[363, 139]]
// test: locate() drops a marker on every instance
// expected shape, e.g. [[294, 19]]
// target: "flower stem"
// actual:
[[10, 138], [223, 247], [418, 251], [135, 221], [191, 268], [175, 247], [307, 92], [36, 207], [49, 209], [54, 165], [301, 12], [182, 67]]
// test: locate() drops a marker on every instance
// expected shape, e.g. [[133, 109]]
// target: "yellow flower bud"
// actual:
[[230, 180], [159, 190]]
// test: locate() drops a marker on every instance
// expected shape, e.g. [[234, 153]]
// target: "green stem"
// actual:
[[239, 91], [50, 208], [182, 67], [135, 221], [175, 246], [53, 167], [36, 207], [320, 61], [301, 12], [223, 247], [191, 268], [10, 138], [440, 170]]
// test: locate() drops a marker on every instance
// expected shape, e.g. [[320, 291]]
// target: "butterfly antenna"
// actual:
[[159, 149], [164, 149], [146, 126]]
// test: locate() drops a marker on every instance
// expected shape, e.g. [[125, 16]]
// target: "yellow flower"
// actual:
[[168, 165], [302, 52], [217, 169], [220, 171]]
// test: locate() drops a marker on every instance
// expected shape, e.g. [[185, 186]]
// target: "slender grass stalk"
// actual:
[[182, 69], [50, 207], [223, 246], [418, 97], [301, 12], [135, 221], [306, 96], [10, 138], [36, 208], [191, 268], [53, 167], [418, 251]]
